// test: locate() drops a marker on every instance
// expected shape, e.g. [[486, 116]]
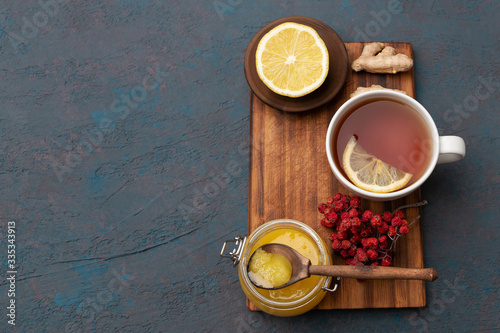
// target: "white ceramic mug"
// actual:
[[445, 149]]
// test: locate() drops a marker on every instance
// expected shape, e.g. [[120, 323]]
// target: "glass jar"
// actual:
[[299, 297]]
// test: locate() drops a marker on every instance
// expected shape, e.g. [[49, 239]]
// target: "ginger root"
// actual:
[[386, 61], [361, 90]]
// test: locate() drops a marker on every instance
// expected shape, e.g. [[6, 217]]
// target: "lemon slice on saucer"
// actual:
[[370, 173], [292, 60]]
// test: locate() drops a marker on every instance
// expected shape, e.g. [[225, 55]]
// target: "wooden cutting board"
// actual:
[[290, 176]]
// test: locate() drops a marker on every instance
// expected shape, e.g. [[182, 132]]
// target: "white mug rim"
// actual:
[[387, 94]]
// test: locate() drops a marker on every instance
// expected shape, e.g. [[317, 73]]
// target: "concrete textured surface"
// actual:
[[124, 130]]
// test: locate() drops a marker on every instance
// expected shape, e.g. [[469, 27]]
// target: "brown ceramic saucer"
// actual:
[[334, 81]]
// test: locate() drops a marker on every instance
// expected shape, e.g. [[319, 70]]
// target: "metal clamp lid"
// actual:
[[235, 254]]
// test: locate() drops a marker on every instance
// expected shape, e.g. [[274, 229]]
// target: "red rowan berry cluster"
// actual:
[[362, 238]]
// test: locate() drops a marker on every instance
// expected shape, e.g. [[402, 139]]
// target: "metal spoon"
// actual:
[[302, 268]]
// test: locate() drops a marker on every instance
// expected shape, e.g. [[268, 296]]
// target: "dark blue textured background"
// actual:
[[123, 161]]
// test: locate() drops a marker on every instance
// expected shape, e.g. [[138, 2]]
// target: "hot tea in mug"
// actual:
[[393, 132], [383, 144]]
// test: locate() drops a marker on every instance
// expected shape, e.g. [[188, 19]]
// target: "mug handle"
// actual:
[[451, 149]]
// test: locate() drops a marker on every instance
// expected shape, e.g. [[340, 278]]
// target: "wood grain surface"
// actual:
[[290, 176]]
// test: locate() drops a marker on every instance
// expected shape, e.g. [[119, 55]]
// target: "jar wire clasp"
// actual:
[[235, 254], [334, 287]]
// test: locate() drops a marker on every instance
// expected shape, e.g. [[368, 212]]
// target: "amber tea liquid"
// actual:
[[390, 130]]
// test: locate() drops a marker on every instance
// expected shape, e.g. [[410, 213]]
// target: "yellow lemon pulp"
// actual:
[[369, 173], [269, 270], [292, 60]]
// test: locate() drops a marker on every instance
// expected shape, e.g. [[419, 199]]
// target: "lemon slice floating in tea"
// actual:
[[292, 60], [370, 173]]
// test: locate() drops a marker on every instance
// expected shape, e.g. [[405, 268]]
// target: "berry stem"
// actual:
[[393, 243], [396, 237], [414, 220], [413, 205]]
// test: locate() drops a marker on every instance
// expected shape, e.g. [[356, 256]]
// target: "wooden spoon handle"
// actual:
[[375, 272]]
